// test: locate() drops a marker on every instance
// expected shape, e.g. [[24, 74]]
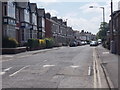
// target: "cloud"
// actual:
[[92, 24], [45, 1], [82, 23], [85, 8]]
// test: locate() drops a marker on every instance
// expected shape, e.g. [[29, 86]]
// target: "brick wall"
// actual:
[[48, 30]]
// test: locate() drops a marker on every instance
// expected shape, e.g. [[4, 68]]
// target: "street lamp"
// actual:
[[103, 14], [103, 11]]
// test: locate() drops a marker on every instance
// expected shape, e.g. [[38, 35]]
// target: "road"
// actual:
[[66, 67]]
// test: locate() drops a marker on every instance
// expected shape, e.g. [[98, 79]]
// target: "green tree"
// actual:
[[102, 34]]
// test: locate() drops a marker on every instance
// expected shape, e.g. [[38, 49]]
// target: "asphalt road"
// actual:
[[66, 67]]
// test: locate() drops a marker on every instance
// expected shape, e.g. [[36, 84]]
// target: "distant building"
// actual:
[[87, 36], [70, 35]]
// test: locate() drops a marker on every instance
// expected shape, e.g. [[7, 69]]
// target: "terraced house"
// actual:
[[58, 29], [19, 20], [23, 21], [33, 20], [9, 19], [41, 23], [25, 25]]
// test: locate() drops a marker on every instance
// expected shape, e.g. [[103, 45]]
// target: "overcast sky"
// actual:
[[77, 12]]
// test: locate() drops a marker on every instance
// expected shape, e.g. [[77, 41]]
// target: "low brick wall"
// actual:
[[13, 50]]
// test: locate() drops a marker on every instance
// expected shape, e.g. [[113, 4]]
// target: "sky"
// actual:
[[77, 12]]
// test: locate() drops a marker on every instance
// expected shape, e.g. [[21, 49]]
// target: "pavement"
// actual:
[[110, 63]]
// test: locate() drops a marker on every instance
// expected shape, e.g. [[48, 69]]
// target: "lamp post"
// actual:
[[103, 12]]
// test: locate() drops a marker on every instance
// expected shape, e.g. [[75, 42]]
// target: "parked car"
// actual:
[[99, 42], [94, 43], [83, 43], [73, 44]]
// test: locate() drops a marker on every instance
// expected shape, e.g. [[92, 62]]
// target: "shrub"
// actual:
[[33, 43], [8, 42], [49, 42], [42, 43], [106, 44]]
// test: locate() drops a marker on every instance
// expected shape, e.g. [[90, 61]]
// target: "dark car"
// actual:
[[94, 43], [73, 44]]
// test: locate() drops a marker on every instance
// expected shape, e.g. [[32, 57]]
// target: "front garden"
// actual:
[[11, 46]]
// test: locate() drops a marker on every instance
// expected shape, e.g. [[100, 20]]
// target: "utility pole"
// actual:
[[112, 43], [112, 35]]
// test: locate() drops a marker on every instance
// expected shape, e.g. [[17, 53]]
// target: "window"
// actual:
[[5, 10], [17, 14], [26, 15], [11, 9], [5, 20], [11, 32], [34, 19]]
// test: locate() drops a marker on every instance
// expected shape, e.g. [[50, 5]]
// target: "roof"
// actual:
[[33, 7], [41, 12], [116, 12], [22, 4]]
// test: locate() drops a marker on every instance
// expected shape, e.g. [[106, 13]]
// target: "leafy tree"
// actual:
[[102, 34]]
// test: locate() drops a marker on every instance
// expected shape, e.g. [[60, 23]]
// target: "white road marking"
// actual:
[[5, 70], [8, 55], [7, 60], [74, 66], [48, 65], [89, 71], [1, 73], [18, 71], [105, 52], [24, 56]]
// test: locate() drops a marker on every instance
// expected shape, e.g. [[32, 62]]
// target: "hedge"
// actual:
[[40, 43], [49, 42], [33, 43], [8, 42]]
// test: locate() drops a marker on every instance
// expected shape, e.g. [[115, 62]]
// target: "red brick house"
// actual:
[[48, 26]]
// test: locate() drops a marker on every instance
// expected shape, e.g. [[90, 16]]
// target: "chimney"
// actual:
[[65, 23], [47, 15], [54, 18], [60, 20]]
